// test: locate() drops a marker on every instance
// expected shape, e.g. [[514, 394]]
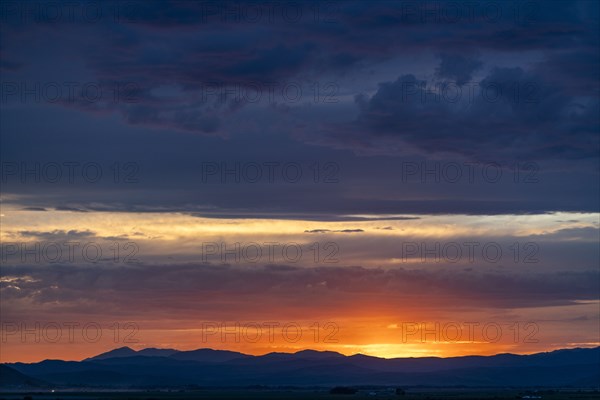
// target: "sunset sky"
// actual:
[[398, 179]]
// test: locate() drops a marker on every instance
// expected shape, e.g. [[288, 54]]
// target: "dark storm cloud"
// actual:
[[576, 71], [182, 45], [457, 68], [186, 290], [369, 189], [588, 233], [511, 113], [179, 69], [58, 234], [61, 235]]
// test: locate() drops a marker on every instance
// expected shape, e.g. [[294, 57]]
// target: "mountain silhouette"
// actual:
[[129, 352], [11, 378], [125, 367], [120, 352]]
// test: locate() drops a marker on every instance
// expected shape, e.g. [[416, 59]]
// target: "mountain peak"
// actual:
[[316, 354], [119, 352]]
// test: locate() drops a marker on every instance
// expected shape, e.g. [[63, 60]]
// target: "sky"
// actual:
[[392, 178]]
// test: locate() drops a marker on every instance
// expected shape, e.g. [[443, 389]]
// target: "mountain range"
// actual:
[[152, 368]]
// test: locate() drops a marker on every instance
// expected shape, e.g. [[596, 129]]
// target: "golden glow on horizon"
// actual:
[[177, 226], [365, 326], [377, 336]]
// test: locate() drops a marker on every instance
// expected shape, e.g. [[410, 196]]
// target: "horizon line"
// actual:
[[299, 351]]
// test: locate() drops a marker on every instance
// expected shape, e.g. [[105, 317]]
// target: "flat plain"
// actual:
[[276, 394]]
